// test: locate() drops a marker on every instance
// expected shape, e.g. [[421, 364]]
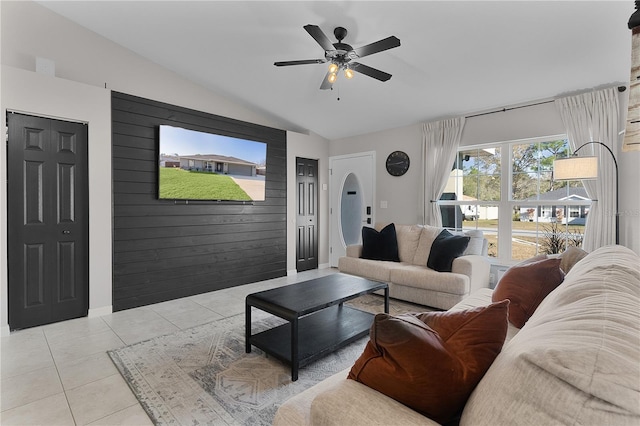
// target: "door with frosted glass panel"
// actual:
[[352, 184]]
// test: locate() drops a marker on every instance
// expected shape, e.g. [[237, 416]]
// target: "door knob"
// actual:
[[66, 232]]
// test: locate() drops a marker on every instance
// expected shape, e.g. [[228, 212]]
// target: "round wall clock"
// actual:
[[397, 163]]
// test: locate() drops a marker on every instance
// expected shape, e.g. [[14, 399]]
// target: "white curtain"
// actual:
[[440, 142], [590, 117]]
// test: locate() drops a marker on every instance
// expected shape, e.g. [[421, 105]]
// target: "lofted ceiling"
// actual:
[[456, 58]]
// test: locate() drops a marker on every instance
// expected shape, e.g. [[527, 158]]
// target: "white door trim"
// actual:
[[336, 248]]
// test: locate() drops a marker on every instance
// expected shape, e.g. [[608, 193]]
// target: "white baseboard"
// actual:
[[4, 330], [324, 266], [292, 272], [98, 312]]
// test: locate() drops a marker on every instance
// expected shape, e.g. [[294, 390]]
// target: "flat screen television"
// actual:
[[197, 165]]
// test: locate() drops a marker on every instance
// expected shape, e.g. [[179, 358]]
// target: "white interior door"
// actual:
[[351, 194]]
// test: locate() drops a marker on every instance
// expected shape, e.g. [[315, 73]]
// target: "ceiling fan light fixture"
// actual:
[[348, 73], [340, 55]]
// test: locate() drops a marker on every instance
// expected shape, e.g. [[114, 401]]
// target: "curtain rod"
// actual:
[[620, 89], [508, 109]]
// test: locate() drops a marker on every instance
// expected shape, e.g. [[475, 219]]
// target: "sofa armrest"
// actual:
[[296, 411], [353, 403], [354, 250], [476, 267]]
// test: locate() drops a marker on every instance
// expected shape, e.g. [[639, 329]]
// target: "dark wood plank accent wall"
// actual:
[[167, 249]]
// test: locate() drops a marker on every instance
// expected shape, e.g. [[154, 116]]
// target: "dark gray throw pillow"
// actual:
[[444, 249], [381, 245]]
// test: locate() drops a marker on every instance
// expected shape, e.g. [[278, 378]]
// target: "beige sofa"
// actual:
[[411, 279], [576, 361]]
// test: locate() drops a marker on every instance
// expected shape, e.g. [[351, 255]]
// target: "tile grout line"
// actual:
[[64, 391], [137, 404], [237, 295], [114, 332]]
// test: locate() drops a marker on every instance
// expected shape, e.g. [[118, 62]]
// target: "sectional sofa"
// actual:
[[576, 361]]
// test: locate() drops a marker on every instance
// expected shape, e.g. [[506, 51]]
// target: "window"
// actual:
[[507, 190]]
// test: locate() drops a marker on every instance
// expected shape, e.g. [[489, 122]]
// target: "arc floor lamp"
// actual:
[[574, 168]]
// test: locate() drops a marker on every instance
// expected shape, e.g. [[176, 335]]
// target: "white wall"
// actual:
[[522, 123], [30, 30], [399, 192], [84, 61], [314, 147]]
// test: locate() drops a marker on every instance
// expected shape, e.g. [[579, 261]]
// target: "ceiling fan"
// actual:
[[341, 55]]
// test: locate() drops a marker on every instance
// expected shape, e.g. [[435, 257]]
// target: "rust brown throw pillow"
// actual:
[[432, 361], [526, 285]]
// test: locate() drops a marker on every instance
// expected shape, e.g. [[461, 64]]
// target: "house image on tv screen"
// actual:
[[218, 164]]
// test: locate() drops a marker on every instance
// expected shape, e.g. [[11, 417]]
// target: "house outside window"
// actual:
[[507, 190]]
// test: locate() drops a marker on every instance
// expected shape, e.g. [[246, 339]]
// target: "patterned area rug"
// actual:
[[202, 375]]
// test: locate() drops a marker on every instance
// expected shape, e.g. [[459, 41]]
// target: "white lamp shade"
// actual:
[[574, 168]]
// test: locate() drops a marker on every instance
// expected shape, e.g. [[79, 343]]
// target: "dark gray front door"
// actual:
[[47, 215], [307, 214]]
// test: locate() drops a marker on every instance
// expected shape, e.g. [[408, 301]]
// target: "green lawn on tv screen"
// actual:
[[191, 185]]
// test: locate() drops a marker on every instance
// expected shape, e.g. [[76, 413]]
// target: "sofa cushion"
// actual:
[[432, 361], [377, 270], [408, 237], [427, 236], [476, 241], [570, 257], [577, 360], [444, 249], [381, 245], [526, 285], [427, 279]]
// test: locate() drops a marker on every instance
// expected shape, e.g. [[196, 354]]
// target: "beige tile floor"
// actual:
[[60, 374]]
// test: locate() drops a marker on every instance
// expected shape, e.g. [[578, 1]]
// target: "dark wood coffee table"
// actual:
[[318, 322]]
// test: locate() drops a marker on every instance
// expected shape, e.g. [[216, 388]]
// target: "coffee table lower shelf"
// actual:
[[319, 333]]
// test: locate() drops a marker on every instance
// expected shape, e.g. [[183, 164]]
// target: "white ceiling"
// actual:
[[456, 58]]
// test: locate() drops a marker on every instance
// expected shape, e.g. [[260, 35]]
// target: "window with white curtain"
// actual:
[[507, 190]]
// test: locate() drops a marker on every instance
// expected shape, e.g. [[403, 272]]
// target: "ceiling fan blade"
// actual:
[[315, 32], [371, 72], [378, 46], [303, 62], [325, 83]]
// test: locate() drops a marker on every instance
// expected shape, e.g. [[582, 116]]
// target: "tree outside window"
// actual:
[[508, 191]]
